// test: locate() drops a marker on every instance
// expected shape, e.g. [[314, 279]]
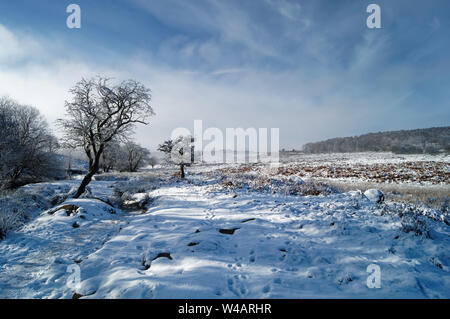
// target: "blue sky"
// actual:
[[311, 68]]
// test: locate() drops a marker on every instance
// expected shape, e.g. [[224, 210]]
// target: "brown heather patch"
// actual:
[[424, 171]]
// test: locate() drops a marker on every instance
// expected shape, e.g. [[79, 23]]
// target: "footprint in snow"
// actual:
[[252, 259], [236, 286]]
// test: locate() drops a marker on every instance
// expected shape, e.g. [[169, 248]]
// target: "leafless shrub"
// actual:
[[412, 221], [8, 221], [17, 206], [311, 188]]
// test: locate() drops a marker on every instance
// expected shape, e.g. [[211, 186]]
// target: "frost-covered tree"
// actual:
[[101, 112], [152, 161], [136, 156], [126, 157], [178, 152], [112, 157], [27, 145]]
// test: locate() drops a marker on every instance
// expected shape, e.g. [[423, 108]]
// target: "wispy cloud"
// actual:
[[16, 47]]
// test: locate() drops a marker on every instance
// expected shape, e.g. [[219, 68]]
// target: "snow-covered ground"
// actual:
[[32, 258], [203, 238]]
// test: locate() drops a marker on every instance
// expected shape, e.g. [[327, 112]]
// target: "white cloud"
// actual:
[[228, 71], [16, 47]]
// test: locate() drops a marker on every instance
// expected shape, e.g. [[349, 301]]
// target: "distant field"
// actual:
[[370, 167], [403, 178]]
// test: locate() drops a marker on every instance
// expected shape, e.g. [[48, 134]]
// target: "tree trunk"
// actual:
[[182, 170], [86, 180], [92, 171]]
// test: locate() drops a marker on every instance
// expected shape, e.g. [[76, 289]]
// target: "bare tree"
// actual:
[[137, 156], [8, 137], [152, 161], [126, 157], [101, 112], [112, 157], [26, 144], [178, 152]]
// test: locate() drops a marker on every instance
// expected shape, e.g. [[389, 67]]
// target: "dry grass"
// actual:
[[16, 206], [249, 177], [436, 196]]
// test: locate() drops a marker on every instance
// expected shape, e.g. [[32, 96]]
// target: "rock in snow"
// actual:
[[374, 195]]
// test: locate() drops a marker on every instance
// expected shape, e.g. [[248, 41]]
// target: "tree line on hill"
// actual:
[[419, 141]]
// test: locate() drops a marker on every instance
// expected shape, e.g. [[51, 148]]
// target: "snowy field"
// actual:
[[228, 232]]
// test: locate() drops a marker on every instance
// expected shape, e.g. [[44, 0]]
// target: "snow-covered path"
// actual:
[[196, 243]]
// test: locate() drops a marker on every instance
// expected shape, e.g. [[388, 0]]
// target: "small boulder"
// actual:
[[76, 296], [374, 195], [228, 231]]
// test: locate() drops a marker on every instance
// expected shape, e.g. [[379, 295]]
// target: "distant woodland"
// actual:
[[431, 141]]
